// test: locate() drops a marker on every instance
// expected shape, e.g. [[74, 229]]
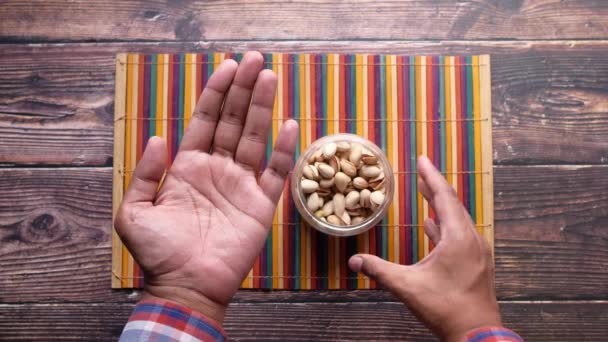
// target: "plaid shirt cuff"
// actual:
[[159, 320], [493, 334]]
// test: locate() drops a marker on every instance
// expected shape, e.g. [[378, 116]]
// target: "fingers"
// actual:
[[200, 132], [236, 105], [148, 173], [384, 272], [438, 192], [273, 178], [252, 146], [432, 231]]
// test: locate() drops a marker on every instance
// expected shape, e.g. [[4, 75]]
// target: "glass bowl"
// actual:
[[324, 226]]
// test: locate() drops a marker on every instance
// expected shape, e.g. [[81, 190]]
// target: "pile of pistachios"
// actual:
[[343, 183]]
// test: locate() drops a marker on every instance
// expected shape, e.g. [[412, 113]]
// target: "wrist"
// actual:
[[191, 299], [468, 322]]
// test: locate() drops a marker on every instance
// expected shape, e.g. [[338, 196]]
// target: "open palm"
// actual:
[[197, 236]]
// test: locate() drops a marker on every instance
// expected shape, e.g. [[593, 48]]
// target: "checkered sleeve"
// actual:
[[493, 334], [158, 320]]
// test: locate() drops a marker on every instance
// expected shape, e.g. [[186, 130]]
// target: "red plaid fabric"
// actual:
[[158, 320], [493, 334]]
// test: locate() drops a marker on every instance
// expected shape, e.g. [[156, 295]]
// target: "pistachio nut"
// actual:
[[309, 186], [342, 146], [324, 192], [369, 159], [313, 202], [328, 208], [345, 218], [352, 199], [333, 219], [311, 172], [364, 198], [339, 204], [376, 197], [327, 183], [342, 181], [357, 220], [326, 171], [334, 162], [359, 183], [369, 171], [329, 150], [355, 154], [348, 168]]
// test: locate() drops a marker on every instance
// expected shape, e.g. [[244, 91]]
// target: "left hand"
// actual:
[[198, 236]]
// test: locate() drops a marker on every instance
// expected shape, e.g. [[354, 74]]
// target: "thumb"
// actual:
[[384, 272], [148, 173]]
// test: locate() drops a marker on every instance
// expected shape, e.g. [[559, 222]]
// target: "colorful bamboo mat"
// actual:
[[408, 105]]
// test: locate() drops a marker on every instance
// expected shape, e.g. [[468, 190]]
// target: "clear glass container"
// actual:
[[326, 227]]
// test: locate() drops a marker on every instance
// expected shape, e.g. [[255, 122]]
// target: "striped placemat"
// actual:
[[407, 105]]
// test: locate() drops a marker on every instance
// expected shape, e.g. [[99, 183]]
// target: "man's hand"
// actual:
[[452, 289], [197, 236]]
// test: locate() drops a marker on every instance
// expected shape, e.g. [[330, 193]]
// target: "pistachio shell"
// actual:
[[357, 220], [355, 154], [342, 181], [327, 183], [334, 162], [328, 208], [326, 171], [352, 199], [311, 172], [379, 177], [342, 146], [345, 218], [369, 159], [315, 157], [321, 201], [339, 204], [309, 186], [329, 150], [377, 185], [364, 198], [323, 219], [319, 155], [356, 212], [323, 192], [349, 188], [333, 219], [313, 202], [369, 171], [348, 167], [376, 197], [345, 155], [319, 213], [359, 183]]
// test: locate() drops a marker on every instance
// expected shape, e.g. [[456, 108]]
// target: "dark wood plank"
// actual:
[[56, 101], [551, 240], [580, 321], [195, 20]]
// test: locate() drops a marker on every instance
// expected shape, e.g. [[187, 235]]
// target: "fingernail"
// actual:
[[355, 263], [423, 159]]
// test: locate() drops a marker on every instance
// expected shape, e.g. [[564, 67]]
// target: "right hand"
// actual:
[[452, 289]]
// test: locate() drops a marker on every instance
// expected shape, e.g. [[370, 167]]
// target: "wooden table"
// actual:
[[550, 126]]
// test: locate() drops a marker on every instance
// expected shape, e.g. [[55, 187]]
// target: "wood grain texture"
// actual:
[[56, 101], [305, 322], [195, 20], [551, 237]]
